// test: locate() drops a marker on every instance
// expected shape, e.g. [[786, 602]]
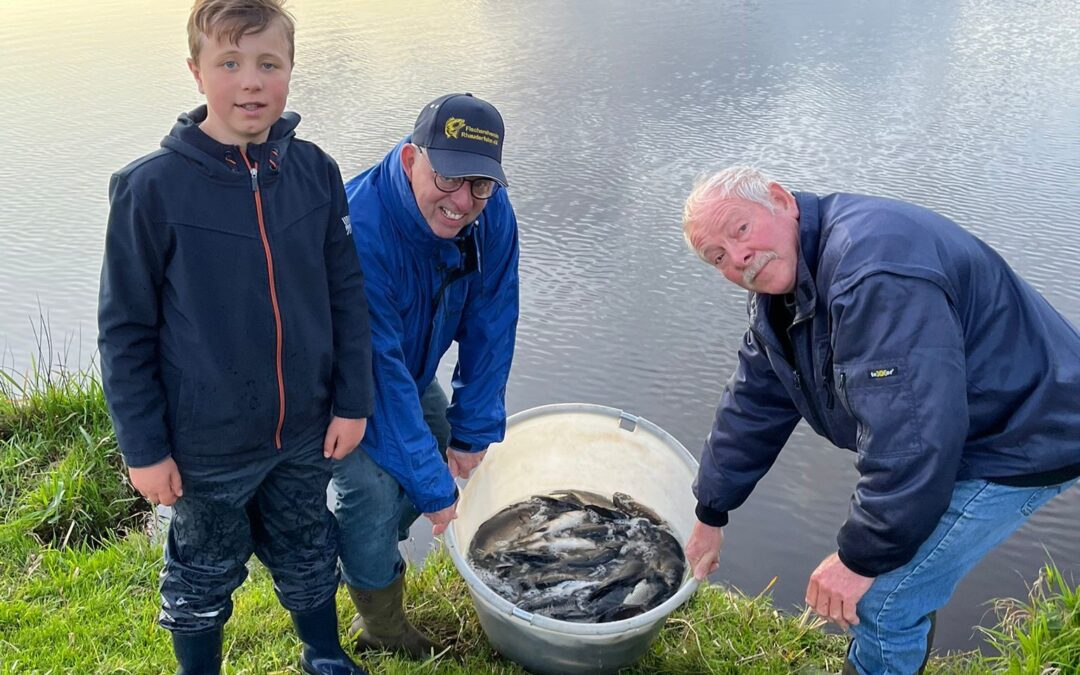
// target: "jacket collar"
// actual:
[[809, 238], [225, 161], [805, 267]]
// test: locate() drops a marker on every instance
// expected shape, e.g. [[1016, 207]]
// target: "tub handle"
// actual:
[[521, 614], [627, 422]]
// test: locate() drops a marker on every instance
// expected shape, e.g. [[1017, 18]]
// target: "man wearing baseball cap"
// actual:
[[437, 239]]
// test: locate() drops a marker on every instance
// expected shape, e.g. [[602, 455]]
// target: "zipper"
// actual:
[[254, 169], [809, 401], [842, 384], [797, 379], [826, 378], [814, 412]]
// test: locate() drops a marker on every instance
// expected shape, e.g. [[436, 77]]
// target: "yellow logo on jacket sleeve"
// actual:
[[453, 127], [882, 372]]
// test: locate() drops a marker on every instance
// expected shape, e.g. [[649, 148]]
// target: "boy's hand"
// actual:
[[440, 520], [462, 463], [159, 483], [342, 437]]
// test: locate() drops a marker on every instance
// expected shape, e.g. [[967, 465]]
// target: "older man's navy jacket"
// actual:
[[913, 344]]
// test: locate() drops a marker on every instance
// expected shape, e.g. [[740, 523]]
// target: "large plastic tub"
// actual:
[[583, 447]]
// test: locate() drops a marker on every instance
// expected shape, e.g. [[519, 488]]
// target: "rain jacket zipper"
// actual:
[[254, 169]]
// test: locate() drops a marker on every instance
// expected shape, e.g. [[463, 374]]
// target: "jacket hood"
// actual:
[[225, 162]]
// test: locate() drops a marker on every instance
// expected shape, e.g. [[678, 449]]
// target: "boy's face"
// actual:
[[245, 84]]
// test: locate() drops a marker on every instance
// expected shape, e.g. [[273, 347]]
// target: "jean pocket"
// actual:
[[1039, 497]]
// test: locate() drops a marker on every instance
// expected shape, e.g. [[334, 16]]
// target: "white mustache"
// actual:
[[759, 261]]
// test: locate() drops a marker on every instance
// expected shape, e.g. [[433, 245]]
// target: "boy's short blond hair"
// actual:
[[233, 19]]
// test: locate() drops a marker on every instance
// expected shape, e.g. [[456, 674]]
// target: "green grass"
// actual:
[[1041, 634], [61, 476], [78, 581]]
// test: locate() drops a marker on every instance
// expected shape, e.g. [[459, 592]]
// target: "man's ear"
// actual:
[[408, 159], [784, 200], [194, 68]]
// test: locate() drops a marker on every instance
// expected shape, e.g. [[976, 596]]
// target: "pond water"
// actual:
[[970, 107]]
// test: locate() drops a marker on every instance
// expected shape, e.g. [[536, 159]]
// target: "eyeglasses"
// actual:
[[481, 188]]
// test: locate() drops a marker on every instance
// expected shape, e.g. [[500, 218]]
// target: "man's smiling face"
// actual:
[[446, 213]]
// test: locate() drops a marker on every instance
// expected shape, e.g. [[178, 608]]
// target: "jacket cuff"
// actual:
[[856, 567], [711, 517], [462, 446], [353, 413], [141, 460], [438, 504]]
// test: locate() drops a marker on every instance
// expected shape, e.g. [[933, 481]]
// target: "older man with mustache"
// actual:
[[898, 335]]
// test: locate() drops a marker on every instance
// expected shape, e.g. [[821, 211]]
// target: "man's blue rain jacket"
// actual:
[[914, 345], [425, 292]]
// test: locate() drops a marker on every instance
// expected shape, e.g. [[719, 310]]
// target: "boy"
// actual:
[[234, 339]]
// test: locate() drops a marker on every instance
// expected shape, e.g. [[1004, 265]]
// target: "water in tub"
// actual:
[[578, 556]]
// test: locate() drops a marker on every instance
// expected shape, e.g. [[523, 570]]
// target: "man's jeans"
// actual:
[[372, 509], [893, 621]]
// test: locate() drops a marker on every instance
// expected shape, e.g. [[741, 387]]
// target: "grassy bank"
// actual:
[[78, 577]]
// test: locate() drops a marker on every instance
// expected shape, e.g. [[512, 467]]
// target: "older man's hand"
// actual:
[[440, 520], [462, 463], [834, 591], [703, 549]]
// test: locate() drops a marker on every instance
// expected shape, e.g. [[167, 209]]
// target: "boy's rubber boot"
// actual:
[[849, 667], [322, 653], [381, 623], [198, 653]]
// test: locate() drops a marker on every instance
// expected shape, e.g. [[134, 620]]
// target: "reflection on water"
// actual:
[[612, 109]]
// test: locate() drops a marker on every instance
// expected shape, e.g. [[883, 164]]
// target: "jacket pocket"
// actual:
[[878, 395], [179, 397], [185, 402], [310, 213], [244, 227]]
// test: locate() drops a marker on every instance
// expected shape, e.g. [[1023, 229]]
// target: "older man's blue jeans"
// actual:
[[893, 624], [372, 509]]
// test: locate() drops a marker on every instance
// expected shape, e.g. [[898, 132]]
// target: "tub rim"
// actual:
[[480, 590]]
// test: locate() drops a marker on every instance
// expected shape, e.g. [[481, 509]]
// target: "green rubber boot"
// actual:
[[381, 623]]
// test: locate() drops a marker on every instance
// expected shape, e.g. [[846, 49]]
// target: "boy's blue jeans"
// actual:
[[372, 509], [893, 615], [275, 508]]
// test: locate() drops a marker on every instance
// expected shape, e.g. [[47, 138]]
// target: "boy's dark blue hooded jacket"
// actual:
[[232, 320], [914, 345]]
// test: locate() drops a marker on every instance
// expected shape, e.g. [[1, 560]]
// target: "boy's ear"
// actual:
[[194, 68]]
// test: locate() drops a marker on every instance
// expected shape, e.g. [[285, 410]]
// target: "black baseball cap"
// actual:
[[463, 136]]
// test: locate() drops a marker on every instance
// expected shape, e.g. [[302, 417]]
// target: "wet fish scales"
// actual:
[[578, 556]]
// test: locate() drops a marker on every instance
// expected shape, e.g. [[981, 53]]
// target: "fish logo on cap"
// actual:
[[453, 127]]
